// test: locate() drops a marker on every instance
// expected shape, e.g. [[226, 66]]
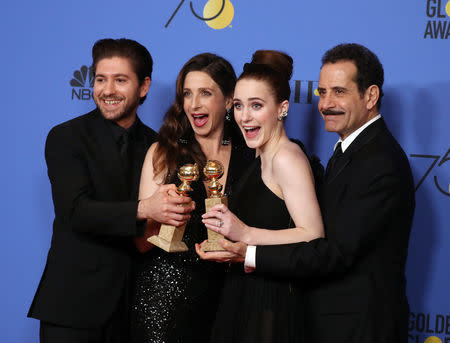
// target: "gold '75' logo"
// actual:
[[217, 14], [436, 158]]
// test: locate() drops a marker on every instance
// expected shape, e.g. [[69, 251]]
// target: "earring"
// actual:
[[227, 128], [228, 115], [282, 116]]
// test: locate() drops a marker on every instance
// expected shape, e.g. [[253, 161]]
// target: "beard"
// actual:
[[125, 110]]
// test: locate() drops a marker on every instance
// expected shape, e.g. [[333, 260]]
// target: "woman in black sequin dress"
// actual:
[[275, 203], [176, 295]]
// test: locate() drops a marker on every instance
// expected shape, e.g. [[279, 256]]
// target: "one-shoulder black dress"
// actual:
[[254, 307]]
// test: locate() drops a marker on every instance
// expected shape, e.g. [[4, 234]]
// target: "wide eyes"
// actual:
[[254, 106]]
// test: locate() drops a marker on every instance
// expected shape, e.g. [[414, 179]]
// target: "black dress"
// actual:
[[255, 307], [176, 295]]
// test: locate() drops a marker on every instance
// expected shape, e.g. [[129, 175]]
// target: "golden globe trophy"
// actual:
[[169, 237], [213, 171]]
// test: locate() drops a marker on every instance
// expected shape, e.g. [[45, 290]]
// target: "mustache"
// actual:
[[332, 113]]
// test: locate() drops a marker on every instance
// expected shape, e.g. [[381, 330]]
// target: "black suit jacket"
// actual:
[[356, 275], [95, 217]]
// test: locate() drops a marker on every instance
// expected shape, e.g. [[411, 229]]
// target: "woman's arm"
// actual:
[[158, 203], [291, 178]]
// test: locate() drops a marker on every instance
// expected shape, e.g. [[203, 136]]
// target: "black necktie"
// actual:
[[333, 162], [124, 147]]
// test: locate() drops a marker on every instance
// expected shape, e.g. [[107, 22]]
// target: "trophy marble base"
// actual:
[[213, 237], [169, 238]]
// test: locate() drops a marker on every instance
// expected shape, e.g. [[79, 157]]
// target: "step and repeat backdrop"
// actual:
[[46, 56]]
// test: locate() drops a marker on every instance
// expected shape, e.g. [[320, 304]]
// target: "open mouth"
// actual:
[[112, 102], [200, 119], [251, 131]]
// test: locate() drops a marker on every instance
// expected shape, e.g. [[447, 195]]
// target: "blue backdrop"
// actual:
[[46, 48]]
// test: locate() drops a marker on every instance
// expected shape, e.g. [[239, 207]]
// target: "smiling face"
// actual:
[[117, 90], [344, 109], [204, 104], [256, 112]]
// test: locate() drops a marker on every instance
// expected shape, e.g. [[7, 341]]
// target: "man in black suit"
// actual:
[[355, 277], [94, 163]]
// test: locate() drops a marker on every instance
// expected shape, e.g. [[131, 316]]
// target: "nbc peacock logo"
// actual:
[[217, 14], [82, 83]]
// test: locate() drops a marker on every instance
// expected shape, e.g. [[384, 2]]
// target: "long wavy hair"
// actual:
[[176, 136]]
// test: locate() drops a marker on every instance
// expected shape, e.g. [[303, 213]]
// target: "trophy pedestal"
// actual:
[[213, 237], [169, 238]]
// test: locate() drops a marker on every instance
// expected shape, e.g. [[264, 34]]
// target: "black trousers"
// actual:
[[116, 330]]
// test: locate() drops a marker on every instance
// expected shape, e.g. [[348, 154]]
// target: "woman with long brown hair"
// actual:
[[176, 294]]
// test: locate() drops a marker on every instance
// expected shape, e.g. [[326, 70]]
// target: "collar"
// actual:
[[346, 142], [118, 131]]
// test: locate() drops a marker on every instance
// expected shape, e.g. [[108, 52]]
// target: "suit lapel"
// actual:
[[363, 138], [141, 145], [110, 154]]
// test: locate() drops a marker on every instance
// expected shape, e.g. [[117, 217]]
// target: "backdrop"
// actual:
[[46, 47]]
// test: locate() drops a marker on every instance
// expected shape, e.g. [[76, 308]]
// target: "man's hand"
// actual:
[[234, 252], [166, 206]]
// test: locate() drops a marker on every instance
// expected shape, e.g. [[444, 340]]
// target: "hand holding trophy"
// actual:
[[169, 237], [213, 171]]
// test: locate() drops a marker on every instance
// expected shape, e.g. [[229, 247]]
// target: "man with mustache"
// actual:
[[355, 276], [94, 163]]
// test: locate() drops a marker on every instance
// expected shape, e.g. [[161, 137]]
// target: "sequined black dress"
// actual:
[[176, 294], [258, 308]]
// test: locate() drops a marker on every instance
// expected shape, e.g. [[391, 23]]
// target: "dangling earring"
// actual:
[[227, 128], [187, 137], [228, 115], [282, 115]]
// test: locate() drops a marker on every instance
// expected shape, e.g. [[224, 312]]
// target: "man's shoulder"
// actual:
[[78, 121], [66, 131], [381, 154], [149, 132], [150, 135]]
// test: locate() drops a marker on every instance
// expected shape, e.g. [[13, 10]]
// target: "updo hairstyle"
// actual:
[[273, 67]]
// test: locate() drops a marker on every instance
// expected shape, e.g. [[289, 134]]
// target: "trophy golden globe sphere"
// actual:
[[213, 171], [187, 174]]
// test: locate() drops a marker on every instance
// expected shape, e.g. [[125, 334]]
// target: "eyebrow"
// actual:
[[249, 99], [114, 75], [201, 89], [333, 88]]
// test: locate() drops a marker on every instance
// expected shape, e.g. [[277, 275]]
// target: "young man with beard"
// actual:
[[94, 163]]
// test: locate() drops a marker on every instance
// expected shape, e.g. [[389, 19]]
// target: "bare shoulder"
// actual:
[[290, 162], [151, 150], [148, 178], [288, 154]]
